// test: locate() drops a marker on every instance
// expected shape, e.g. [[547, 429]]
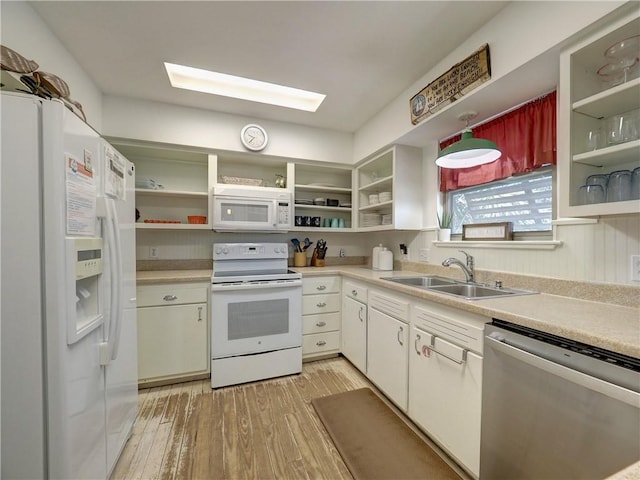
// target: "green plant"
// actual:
[[444, 221]]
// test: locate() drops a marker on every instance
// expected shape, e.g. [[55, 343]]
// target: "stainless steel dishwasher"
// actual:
[[553, 408]]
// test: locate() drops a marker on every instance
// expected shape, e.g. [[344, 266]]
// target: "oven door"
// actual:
[[233, 213], [254, 318]]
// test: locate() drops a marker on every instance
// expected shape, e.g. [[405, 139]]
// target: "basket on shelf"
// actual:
[[255, 182]]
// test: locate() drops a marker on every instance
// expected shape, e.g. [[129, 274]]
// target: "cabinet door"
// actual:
[[445, 396], [387, 355], [172, 340], [354, 332]]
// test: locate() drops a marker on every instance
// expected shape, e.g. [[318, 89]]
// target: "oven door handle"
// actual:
[[587, 381], [255, 286]]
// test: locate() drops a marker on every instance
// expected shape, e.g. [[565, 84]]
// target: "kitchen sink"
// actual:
[[424, 281], [468, 291], [475, 292]]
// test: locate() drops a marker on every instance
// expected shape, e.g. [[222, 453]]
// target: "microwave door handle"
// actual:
[[274, 206]]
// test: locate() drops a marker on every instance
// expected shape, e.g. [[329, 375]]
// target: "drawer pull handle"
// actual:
[[360, 314], [415, 344], [433, 349], [321, 287], [321, 343], [354, 293], [321, 304], [321, 324], [169, 298], [400, 330], [199, 314]]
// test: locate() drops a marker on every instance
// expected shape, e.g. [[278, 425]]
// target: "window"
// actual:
[[525, 200]]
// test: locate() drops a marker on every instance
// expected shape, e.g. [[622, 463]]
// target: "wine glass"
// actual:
[[622, 56]]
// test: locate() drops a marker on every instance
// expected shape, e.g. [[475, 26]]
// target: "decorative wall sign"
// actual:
[[449, 87], [488, 231]]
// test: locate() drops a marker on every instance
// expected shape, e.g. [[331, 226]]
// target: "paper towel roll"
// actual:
[[385, 260]]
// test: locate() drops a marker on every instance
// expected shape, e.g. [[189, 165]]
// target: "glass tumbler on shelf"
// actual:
[[619, 187], [635, 184], [631, 126], [601, 179], [589, 194], [594, 140], [614, 129]]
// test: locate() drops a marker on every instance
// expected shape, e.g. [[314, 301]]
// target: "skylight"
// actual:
[[216, 83]]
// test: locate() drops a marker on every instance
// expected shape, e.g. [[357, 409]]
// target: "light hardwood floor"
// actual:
[[263, 430]]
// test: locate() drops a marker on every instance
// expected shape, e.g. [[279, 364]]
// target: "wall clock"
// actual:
[[254, 137]]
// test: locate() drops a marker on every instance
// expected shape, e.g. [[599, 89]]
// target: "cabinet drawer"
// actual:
[[320, 342], [156, 295], [320, 285], [393, 307], [356, 291], [463, 328], [313, 304], [324, 322]]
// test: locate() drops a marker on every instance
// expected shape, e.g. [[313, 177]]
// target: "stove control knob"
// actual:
[[218, 250], [225, 250]]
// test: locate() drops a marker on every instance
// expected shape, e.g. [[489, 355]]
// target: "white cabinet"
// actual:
[[587, 102], [172, 332], [324, 192], [354, 324], [183, 177], [389, 190], [445, 379], [387, 346], [320, 316]]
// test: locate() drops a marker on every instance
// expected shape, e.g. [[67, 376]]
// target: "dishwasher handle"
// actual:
[[587, 381]]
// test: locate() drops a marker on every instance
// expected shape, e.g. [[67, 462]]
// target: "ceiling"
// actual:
[[361, 54]]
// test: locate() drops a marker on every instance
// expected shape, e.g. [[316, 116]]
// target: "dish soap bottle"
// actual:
[[375, 257]]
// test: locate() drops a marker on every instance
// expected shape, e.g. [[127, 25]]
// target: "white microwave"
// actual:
[[251, 209]]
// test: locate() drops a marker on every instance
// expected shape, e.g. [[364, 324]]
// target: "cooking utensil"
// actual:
[[307, 243], [296, 244]]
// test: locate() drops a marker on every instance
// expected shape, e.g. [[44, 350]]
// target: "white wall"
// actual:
[[24, 31], [158, 122], [518, 34]]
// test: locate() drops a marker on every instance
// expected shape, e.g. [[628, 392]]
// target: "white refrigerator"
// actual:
[[67, 290]]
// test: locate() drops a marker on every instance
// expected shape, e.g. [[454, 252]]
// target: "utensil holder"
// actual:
[[299, 259]]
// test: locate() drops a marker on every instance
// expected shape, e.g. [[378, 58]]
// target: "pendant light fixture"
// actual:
[[468, 151]]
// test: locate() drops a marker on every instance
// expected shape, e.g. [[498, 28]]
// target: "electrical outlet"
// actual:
[[635, 268], [153, 252], [424, 254], [341, 253]]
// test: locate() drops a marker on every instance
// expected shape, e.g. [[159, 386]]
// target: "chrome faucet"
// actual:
[[468, 269]]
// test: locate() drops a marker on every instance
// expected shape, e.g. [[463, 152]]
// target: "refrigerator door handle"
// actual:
[[113, 319], [115, 344]]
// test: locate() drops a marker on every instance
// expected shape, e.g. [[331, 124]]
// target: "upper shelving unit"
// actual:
[[390, 190], [589, 105], [184, 179], [323, 193]]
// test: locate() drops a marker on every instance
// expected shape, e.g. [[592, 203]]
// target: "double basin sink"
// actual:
[[468, 291]]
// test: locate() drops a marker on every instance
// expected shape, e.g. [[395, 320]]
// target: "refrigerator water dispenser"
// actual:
[[85, 261]]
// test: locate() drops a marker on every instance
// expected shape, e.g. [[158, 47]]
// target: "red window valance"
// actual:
[[526, 137]]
